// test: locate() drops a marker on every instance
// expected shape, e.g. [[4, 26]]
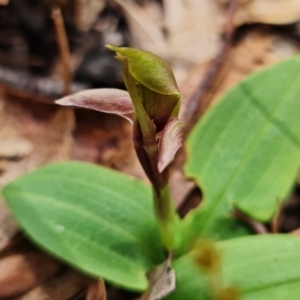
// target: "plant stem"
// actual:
[[166, 215]]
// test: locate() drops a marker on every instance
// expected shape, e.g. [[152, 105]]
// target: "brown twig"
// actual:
[[64, 50], [257, 227], [192, 110], [275, 220]]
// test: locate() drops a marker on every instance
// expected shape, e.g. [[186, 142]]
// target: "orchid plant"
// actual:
[[152, 104], [244, 154]]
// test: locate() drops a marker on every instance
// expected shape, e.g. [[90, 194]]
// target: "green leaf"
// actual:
[[258, 267], [98, 220], [245, 152]]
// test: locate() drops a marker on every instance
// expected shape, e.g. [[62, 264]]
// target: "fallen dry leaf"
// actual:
[[107, 140], [32, 135], [258, 48], [14, 147], [87, 12], [60, 287], [268, 12], [96, 290], [21, 272], [162, 281], [193, 29], [145, 31]]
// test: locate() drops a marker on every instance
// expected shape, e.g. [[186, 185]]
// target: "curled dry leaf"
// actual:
[[170, 141], [96, 290], [162, 281], [111, 101], [268, 11], [22, 272], [63, 286]]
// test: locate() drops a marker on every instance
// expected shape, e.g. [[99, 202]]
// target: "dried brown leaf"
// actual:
[[87, 12], [107, 140], [45, 129], [194, 28], [21, 272], [146, 32], [162, 281], [257, 49], [96, 290], [15, 147], [60, 287], [268, 11]]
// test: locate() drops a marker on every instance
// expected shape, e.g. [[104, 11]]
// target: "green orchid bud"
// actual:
[[150, 83], [157, 132]]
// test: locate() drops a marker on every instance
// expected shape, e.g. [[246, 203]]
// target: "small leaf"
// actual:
[[111, 101], [98, 220], [170, 141], [255, 267], [245, 152]]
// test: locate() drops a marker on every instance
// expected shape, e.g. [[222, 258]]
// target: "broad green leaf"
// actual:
[[98, 220], [258, 267], [245, 152]]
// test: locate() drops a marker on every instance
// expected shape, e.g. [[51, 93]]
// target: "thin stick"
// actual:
[[257, 227], [63, 45], [275, 220]]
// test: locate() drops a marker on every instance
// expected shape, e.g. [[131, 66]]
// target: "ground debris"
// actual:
[[22, 272]]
